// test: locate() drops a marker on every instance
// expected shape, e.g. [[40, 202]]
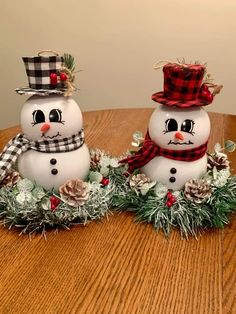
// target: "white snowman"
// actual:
[[49, 118], [174, 150], [53, 148], [177, 129]]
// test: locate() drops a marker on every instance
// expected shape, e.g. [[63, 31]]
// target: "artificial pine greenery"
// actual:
[[27, 206], [69, 62], [36, 215], [187, 216]]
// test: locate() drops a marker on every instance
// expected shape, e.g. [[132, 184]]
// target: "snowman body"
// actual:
[[47, 118], [177, 129], [51, 170], [175, 173]]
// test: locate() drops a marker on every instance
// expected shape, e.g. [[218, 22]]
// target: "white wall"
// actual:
[[115, 44]]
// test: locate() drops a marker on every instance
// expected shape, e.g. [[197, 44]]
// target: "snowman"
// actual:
[[174, 150], [51, 148]]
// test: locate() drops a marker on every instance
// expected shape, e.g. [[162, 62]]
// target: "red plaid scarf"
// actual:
[[149, 150]]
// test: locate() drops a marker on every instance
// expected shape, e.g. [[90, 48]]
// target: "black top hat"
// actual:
[[47, 74]]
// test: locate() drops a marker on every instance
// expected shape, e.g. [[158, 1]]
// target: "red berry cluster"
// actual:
[[54, 202], [105, 181], [54, 78], [170, 199], [205, 93]]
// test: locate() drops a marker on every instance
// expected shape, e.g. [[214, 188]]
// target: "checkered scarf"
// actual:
[[18, 145], [150, 150]]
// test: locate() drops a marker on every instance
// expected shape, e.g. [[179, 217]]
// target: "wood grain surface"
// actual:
[[116, 265]]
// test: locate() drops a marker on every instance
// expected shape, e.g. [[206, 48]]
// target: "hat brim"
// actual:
[[160, 98], [39, 92]]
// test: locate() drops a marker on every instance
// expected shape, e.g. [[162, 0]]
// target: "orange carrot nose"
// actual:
[[179, 136], [45, 128]]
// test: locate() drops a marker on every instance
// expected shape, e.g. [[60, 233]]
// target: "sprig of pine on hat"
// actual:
[[66, 75]]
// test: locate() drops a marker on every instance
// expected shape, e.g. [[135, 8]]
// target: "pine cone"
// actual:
[[74, 192], [197, 190], [138, 180], [220, 161], [10, 179], [95, 157]]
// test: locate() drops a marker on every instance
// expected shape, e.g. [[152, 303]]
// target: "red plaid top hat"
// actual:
[[183, 86]]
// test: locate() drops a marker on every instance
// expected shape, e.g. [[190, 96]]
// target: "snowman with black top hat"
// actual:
[[51, 148], [175, 146]]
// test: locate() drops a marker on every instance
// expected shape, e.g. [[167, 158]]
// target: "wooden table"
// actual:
[[116, 265]]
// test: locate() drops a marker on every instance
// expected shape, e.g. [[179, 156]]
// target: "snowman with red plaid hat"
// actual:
[[175, 146]]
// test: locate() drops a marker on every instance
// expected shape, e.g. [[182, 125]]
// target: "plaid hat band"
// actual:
[[182, 82], [38, 70]]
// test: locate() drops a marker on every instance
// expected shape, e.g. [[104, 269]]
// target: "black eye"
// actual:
[[187, 126], [55, 115], [38, 117], [171, 125]]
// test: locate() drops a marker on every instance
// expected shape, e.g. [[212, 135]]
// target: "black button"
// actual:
[[54, 171], [53, 161], [173, 170], [172, 179]]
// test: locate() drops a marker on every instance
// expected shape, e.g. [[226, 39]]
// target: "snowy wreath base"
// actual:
[[31, 208], [148, 200]]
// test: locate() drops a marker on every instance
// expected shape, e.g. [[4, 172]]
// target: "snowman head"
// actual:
[[50, 117], [179, 128]]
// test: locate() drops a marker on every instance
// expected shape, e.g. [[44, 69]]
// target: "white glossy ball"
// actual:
[[37, 167], [51, 170], [71, 117], [159, 169], [165, 139]]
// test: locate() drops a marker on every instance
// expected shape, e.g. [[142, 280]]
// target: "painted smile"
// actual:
[[180, 143], [51, 137]]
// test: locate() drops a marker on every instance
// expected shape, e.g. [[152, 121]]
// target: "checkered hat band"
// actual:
[[38, 70], [150, 150], [182, 84], [20, 144]]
